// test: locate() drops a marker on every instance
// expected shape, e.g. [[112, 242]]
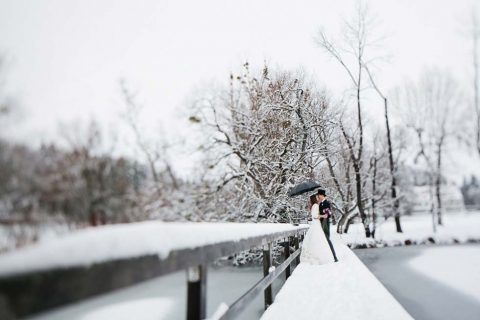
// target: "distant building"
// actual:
[[471, 192]]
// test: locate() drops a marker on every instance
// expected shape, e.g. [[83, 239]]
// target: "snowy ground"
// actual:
[[457, 228], [343, 290], [457, 268], [431, 282]]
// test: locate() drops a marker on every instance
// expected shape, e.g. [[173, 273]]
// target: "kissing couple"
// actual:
[[317, 247]]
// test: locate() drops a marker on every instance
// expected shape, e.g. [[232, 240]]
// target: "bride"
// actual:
[[315, 249]]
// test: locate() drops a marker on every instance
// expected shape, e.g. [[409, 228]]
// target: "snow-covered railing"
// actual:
[[67, 269]]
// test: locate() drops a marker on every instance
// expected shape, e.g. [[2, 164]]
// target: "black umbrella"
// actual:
[[302, 188]]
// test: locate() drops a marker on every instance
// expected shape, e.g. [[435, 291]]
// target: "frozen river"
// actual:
[[165, 298], [431, 282]]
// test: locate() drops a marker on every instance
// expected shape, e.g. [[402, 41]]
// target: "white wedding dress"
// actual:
[[315, 249]]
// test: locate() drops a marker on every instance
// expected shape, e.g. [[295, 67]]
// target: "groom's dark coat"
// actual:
[[325, 208]]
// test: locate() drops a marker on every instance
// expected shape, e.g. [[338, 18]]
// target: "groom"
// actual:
[[325, 213]]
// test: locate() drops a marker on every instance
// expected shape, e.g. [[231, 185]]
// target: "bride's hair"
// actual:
[[312, 201]]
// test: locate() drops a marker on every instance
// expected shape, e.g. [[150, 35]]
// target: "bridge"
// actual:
[[99, 260]]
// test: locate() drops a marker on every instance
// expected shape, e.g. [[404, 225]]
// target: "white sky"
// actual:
[[66, 57]]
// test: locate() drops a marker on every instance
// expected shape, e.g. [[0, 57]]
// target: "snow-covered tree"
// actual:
[[264, 139]]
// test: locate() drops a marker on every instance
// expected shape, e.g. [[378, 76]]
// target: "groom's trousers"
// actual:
[[326, 229], [331, 248]]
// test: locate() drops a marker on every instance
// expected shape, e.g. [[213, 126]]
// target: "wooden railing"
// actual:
[[32, 292]]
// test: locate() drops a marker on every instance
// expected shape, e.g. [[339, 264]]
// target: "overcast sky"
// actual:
[[66, 57]]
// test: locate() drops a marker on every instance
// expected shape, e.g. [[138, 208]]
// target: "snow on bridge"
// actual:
[[342, 290]]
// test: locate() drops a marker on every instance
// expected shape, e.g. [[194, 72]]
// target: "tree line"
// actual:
[[259, 134]]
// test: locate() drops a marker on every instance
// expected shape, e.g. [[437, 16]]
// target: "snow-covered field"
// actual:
[[457, 228], [460, 272]]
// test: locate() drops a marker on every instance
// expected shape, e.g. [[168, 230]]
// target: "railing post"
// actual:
[[267, 263], [197, 292], [286, 248], [297, 245]]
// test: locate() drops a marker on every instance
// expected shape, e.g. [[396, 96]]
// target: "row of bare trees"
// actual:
[[264, 132], [272, 129], [434, 110], [269, 130], [260, 134], [80, 185]]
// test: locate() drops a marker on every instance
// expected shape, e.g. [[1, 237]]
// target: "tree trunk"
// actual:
[[438, 182], [439, 203], [432, 201], [432, 212], [339, 225], [393, 187], [361, 210], [342, 221], [349, 221], [358, 163], [374, 191], [93, 218]]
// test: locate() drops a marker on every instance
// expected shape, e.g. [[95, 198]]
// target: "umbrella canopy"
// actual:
[[302, 188]]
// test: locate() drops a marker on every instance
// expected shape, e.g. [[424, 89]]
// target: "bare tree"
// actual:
[[9, 106], [352, 54], [4, 105], [131, 116], [339, 166], [87, 181], [380, 178], [164, 197], [393, 187], [430, 108], [475, 34], [336, 171]]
